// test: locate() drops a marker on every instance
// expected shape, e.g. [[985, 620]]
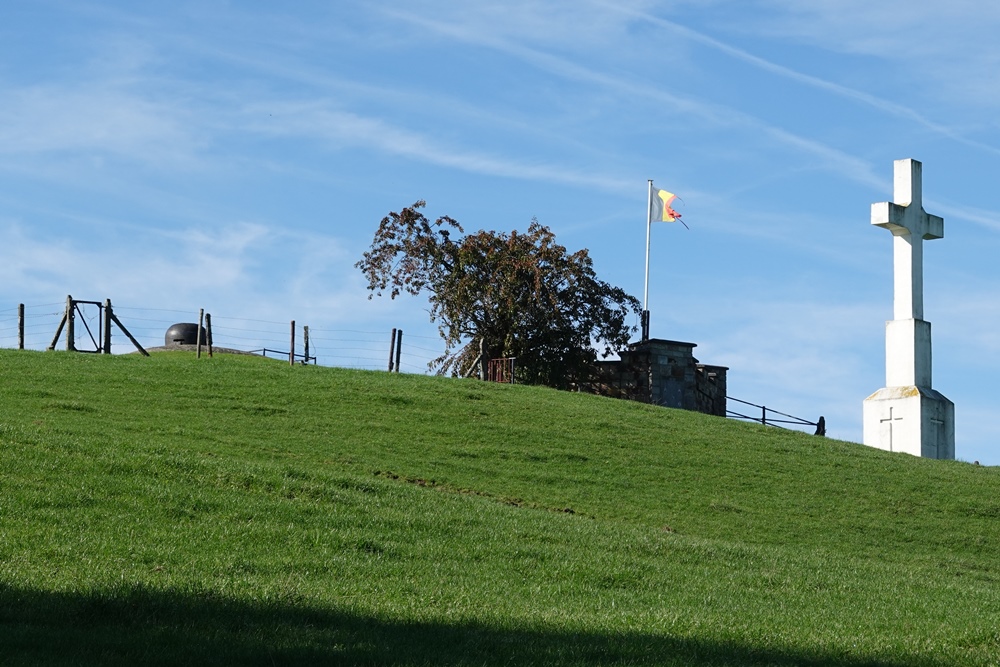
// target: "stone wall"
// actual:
[[663, 372]]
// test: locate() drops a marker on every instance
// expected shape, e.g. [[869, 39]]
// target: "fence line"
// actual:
[[341, 347], [40, 322], [819, 424]]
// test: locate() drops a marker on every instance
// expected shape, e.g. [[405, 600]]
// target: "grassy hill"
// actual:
[[235, 510]]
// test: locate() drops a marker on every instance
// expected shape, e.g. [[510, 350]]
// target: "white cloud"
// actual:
[[694, 109], [53, 118], [160, 267], [881, 104], [242, 263], [889, 28], [344, 128], [985, 218], [41, 269], [557, 24], [946, 49]]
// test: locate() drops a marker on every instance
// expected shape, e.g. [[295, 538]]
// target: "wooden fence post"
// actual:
[[197, 335], [70, 328], [392, 347], [208, 327], [128, 334], [20, 326], [399, 347], [305, 343], [59, 330], [106, 323], [291, 347]]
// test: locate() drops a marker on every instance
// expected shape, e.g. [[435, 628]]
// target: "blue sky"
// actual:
[[238, 156]]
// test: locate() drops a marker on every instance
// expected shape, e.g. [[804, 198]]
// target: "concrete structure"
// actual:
[[907, 415], [663, 372], [184, 333]]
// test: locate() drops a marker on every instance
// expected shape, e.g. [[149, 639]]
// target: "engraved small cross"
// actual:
[[888, 422]]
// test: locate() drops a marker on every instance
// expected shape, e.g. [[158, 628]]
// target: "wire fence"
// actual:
[[35, 327], [345, 348]]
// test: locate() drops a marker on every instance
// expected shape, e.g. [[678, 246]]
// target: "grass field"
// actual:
[[236, 510]]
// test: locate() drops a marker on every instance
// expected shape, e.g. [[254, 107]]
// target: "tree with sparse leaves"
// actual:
[[497, 295]]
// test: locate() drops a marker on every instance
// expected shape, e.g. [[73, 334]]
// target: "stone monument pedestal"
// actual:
[[913, 420]]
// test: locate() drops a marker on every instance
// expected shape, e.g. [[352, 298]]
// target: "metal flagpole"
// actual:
[[645, 291]]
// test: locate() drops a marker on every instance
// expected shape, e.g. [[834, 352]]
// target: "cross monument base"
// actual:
[[913, 420]]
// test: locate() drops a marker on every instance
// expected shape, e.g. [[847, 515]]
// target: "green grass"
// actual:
[[238, 511]]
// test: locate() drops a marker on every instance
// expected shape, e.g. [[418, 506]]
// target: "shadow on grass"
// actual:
[[165, 628]]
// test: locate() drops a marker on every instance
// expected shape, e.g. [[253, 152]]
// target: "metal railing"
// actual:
[[501, 370], [790, 420], [279, 354]]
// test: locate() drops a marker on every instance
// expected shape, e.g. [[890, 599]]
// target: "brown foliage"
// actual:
[[510, 295]]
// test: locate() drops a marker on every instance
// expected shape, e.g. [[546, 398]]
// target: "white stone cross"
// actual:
[[910, 226], [920, 421]]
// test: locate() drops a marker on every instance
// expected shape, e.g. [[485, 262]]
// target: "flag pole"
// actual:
[[645, 291]]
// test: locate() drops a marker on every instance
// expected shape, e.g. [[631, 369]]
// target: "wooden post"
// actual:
[[128, 334], [208, 326], [106, 323], [291, 347], [59, 329], [197, 335], [399, 348], [20, 326], [70, 329], [392, 348], [305, 343]]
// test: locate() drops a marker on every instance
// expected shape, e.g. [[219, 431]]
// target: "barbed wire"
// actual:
[[424, 337], [341, 347], [157, 310], [43, 305], [371, 333]]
